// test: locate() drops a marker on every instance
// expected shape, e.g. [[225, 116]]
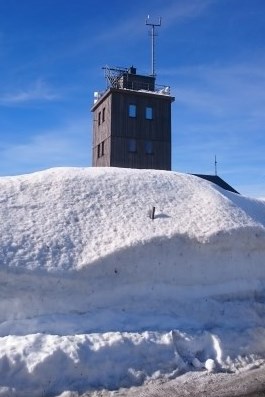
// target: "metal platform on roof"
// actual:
[[127, 78]]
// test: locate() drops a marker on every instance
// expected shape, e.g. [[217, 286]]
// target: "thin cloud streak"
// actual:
[[222, 91], [68, 145], [40, 91], [170, 14], [185, 10], [130, 29]]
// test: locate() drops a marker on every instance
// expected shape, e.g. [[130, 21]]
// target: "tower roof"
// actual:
[[218, 181]]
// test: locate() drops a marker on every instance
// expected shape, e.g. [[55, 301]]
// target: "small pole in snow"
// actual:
[[152, 213]]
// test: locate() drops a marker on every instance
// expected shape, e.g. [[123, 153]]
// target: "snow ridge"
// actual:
[[91, 287]]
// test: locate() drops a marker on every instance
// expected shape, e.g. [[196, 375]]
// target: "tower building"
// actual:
[[132, 122]]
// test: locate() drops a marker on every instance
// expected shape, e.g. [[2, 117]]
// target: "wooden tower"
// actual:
[[132, 122]]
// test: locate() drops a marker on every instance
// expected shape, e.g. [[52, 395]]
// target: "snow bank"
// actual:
[[47, 364], [96, 294], [66, 219]]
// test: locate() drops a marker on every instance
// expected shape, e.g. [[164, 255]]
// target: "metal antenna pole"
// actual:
[[215, 165], [153, 34]]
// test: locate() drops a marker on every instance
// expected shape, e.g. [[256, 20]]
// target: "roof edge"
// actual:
[[217, 181]]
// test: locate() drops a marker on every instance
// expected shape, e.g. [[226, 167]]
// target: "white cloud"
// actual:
[[134, 27], [39, 91], [219, 109], [179, 11], [224, 91], [68, 145]]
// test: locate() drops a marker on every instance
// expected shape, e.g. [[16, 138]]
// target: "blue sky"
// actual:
[[211, 53]]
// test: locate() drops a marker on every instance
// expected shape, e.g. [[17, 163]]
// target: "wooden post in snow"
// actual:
[[152, 213]]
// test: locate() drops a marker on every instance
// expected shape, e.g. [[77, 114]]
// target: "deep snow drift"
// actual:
[[95, 294]]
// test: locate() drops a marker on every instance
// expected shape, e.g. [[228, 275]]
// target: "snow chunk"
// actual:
[[210, 365]]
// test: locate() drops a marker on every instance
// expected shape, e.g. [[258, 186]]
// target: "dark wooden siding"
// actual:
[[160, 159], [157, 130], [102, 133], [118, 128]]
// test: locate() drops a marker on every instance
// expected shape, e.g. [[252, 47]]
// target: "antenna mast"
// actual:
[[215, 165], [153, 34]]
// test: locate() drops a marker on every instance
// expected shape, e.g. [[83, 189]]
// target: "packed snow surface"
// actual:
[[95, 294]]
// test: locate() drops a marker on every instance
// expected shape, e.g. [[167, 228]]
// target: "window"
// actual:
[[99, 118], [101, 149], [132, 145], [132, 110], [148, 147], [103, 115], [149, 113]]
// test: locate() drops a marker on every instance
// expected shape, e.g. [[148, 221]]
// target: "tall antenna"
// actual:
[[215, 165], [153, 34]]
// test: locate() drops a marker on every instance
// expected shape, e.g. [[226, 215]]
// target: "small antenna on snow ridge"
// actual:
[[153, 34], [215, 165]]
